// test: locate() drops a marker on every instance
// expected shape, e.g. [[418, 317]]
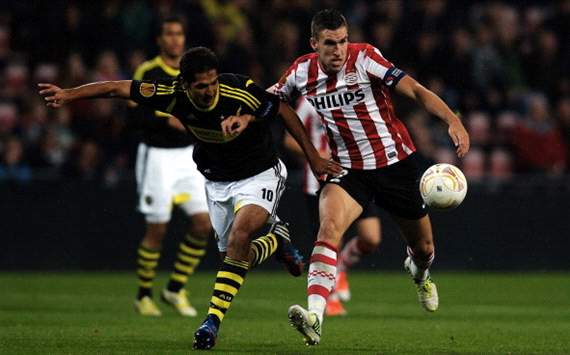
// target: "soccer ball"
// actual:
[[443, 186]]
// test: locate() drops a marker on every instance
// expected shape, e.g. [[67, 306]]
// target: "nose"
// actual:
[[336, 50], [211, 90]]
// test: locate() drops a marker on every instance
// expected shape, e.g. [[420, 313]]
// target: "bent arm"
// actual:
[[291, 144], [409, 87], [431, 102], [293, 124], [297, 131]]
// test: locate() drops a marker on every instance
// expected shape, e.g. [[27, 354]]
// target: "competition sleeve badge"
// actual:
[[147, 89]]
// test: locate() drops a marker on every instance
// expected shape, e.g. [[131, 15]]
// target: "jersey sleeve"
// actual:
[[139, 72], [265, 105], [379, 68], [158, 94], [286, 87]]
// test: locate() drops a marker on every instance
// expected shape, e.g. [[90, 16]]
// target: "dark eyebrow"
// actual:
[[333, 42], [203, 85]]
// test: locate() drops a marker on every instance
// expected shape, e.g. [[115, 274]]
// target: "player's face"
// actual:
[[172, 39], [331, 46], [204, 88]]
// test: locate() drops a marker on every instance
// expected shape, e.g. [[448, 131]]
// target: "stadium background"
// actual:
[[66, 176]]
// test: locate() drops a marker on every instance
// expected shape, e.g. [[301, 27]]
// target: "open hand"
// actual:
[[54, 96], [325, 167]]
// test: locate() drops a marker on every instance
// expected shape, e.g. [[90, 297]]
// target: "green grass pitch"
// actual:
[[480, 313]]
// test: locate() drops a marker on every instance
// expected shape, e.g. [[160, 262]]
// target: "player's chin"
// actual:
[[336, 66]]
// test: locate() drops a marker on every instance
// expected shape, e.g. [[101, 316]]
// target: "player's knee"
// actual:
[[155, 234], [368, 244], [202, 229], [238, 240]]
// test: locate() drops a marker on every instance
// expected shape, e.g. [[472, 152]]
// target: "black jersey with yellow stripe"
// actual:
[[219, 158], [157, 133]]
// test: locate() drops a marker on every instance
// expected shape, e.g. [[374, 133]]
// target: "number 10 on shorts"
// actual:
[[267, 194]]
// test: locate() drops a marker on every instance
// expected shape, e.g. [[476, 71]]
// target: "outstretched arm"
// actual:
[[409, 87], [293, 124], [56, 97]]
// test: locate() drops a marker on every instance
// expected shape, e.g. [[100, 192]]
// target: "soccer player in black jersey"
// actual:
[[162, 181], [228, 115]]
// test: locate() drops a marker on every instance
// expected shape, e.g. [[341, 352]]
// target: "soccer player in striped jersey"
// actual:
[[167, 176], [368, 226], [228, 115], [350, 85]]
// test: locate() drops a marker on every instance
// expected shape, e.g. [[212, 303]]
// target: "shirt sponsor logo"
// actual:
[[335, 100], [210, 135]]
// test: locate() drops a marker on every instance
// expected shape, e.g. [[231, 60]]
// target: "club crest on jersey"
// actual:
[[336, 100], [147, 89], [351, 78]]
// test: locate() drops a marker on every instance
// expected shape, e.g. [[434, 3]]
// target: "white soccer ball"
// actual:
[[443, 186]]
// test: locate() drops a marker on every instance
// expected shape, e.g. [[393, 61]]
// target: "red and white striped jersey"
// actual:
[[354, 105], [316, 131]]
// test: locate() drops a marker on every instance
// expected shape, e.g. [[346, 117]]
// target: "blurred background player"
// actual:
[[368, 226], [166, 176], [350, 86]]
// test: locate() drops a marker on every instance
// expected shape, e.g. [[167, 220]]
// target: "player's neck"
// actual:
[[173, 62]]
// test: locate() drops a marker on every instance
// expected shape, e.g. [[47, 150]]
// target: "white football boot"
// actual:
[[427, 290], [307, 323]]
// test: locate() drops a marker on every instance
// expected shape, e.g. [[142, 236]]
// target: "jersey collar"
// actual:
[[202, 109], [167, 69]]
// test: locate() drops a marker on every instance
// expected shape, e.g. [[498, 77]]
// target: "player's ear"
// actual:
[[314, 43], [182, 82]]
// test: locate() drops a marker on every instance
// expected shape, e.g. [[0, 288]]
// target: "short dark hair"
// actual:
[[197, 60], [329, 19], [169, 19]]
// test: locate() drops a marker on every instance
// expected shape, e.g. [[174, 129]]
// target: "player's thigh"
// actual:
[[264, 189], [200, 225], [154, 183], [221, 210], [337, 211]]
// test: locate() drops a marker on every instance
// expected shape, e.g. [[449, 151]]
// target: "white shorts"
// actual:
[[167, 177], [226, 198]]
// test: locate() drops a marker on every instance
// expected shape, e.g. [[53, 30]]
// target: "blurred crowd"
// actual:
[[504, 65]]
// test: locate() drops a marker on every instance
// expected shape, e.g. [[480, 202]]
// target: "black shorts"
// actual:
[[394, 188]]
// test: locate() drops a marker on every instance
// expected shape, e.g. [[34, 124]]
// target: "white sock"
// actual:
[[419, 269], [321, 277]]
